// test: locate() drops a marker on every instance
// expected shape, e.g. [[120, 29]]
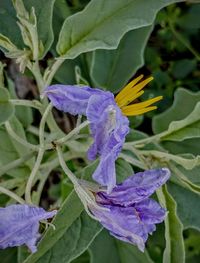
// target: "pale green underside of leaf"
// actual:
[[188, 205], [186, 128], [174, 251], [102, 24], [182, 97]]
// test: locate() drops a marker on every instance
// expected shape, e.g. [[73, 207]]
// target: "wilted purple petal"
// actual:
[[130, 215], [19, 225], [136, 188], [131, 224], [68, 98], [122, 223], [109, 128], [107, 124]]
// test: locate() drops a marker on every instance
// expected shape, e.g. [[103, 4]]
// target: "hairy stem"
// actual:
[[19, 139], [72, 133], [39, 157], [4, 169], [12, 195]]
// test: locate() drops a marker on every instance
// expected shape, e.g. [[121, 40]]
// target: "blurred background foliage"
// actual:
[[170, 51]]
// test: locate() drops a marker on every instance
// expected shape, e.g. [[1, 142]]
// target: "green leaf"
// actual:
[[67, 215], [112, 69], [74, 232], [8, 255], [8, 25], [123, 170], [184, 129], [107, 249], [6, 108], [189, 98], [74, 242], [44, 13], [104, 249], [174, 251], [188, 205], [104, 31], [129, 253]]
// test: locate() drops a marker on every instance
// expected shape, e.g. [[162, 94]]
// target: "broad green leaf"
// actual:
[[175, 112], [129, 253], [107, 249], [74, 242], [111, 69], [188, 205], [123, 170], [174, 251], [74, 233], [104, 249], [8, 25], [69, 212], [184, 129], [6, 107], [8, 255], [44, 13], [87, 31]]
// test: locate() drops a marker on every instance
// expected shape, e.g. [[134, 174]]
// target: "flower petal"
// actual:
[[72, 99], [109, 128], [19, 225], [123, 224], [136, 188]]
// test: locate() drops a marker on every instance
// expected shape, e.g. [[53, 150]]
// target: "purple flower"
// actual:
[[108, 126], [108, 123], [19, 225], [128, 212]]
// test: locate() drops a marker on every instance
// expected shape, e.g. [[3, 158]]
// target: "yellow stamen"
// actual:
[[141, 105], [132, 93], [138, 112], [128, 88]]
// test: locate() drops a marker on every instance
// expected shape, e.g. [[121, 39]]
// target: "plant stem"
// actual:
[[52, 71], [19, 139], [12, 195], [16, 163], [32, 176], [27, 103], [71, 176], [72, 133], [39, 157]]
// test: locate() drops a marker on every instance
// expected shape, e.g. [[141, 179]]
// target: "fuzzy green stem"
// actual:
[[71, 176], [19, 139], [72, 133], [4, 169], [39, 157], [12, 195], [27, 103], [53, 71]]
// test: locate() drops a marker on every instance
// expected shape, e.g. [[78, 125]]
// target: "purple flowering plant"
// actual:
[[77, 152]]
